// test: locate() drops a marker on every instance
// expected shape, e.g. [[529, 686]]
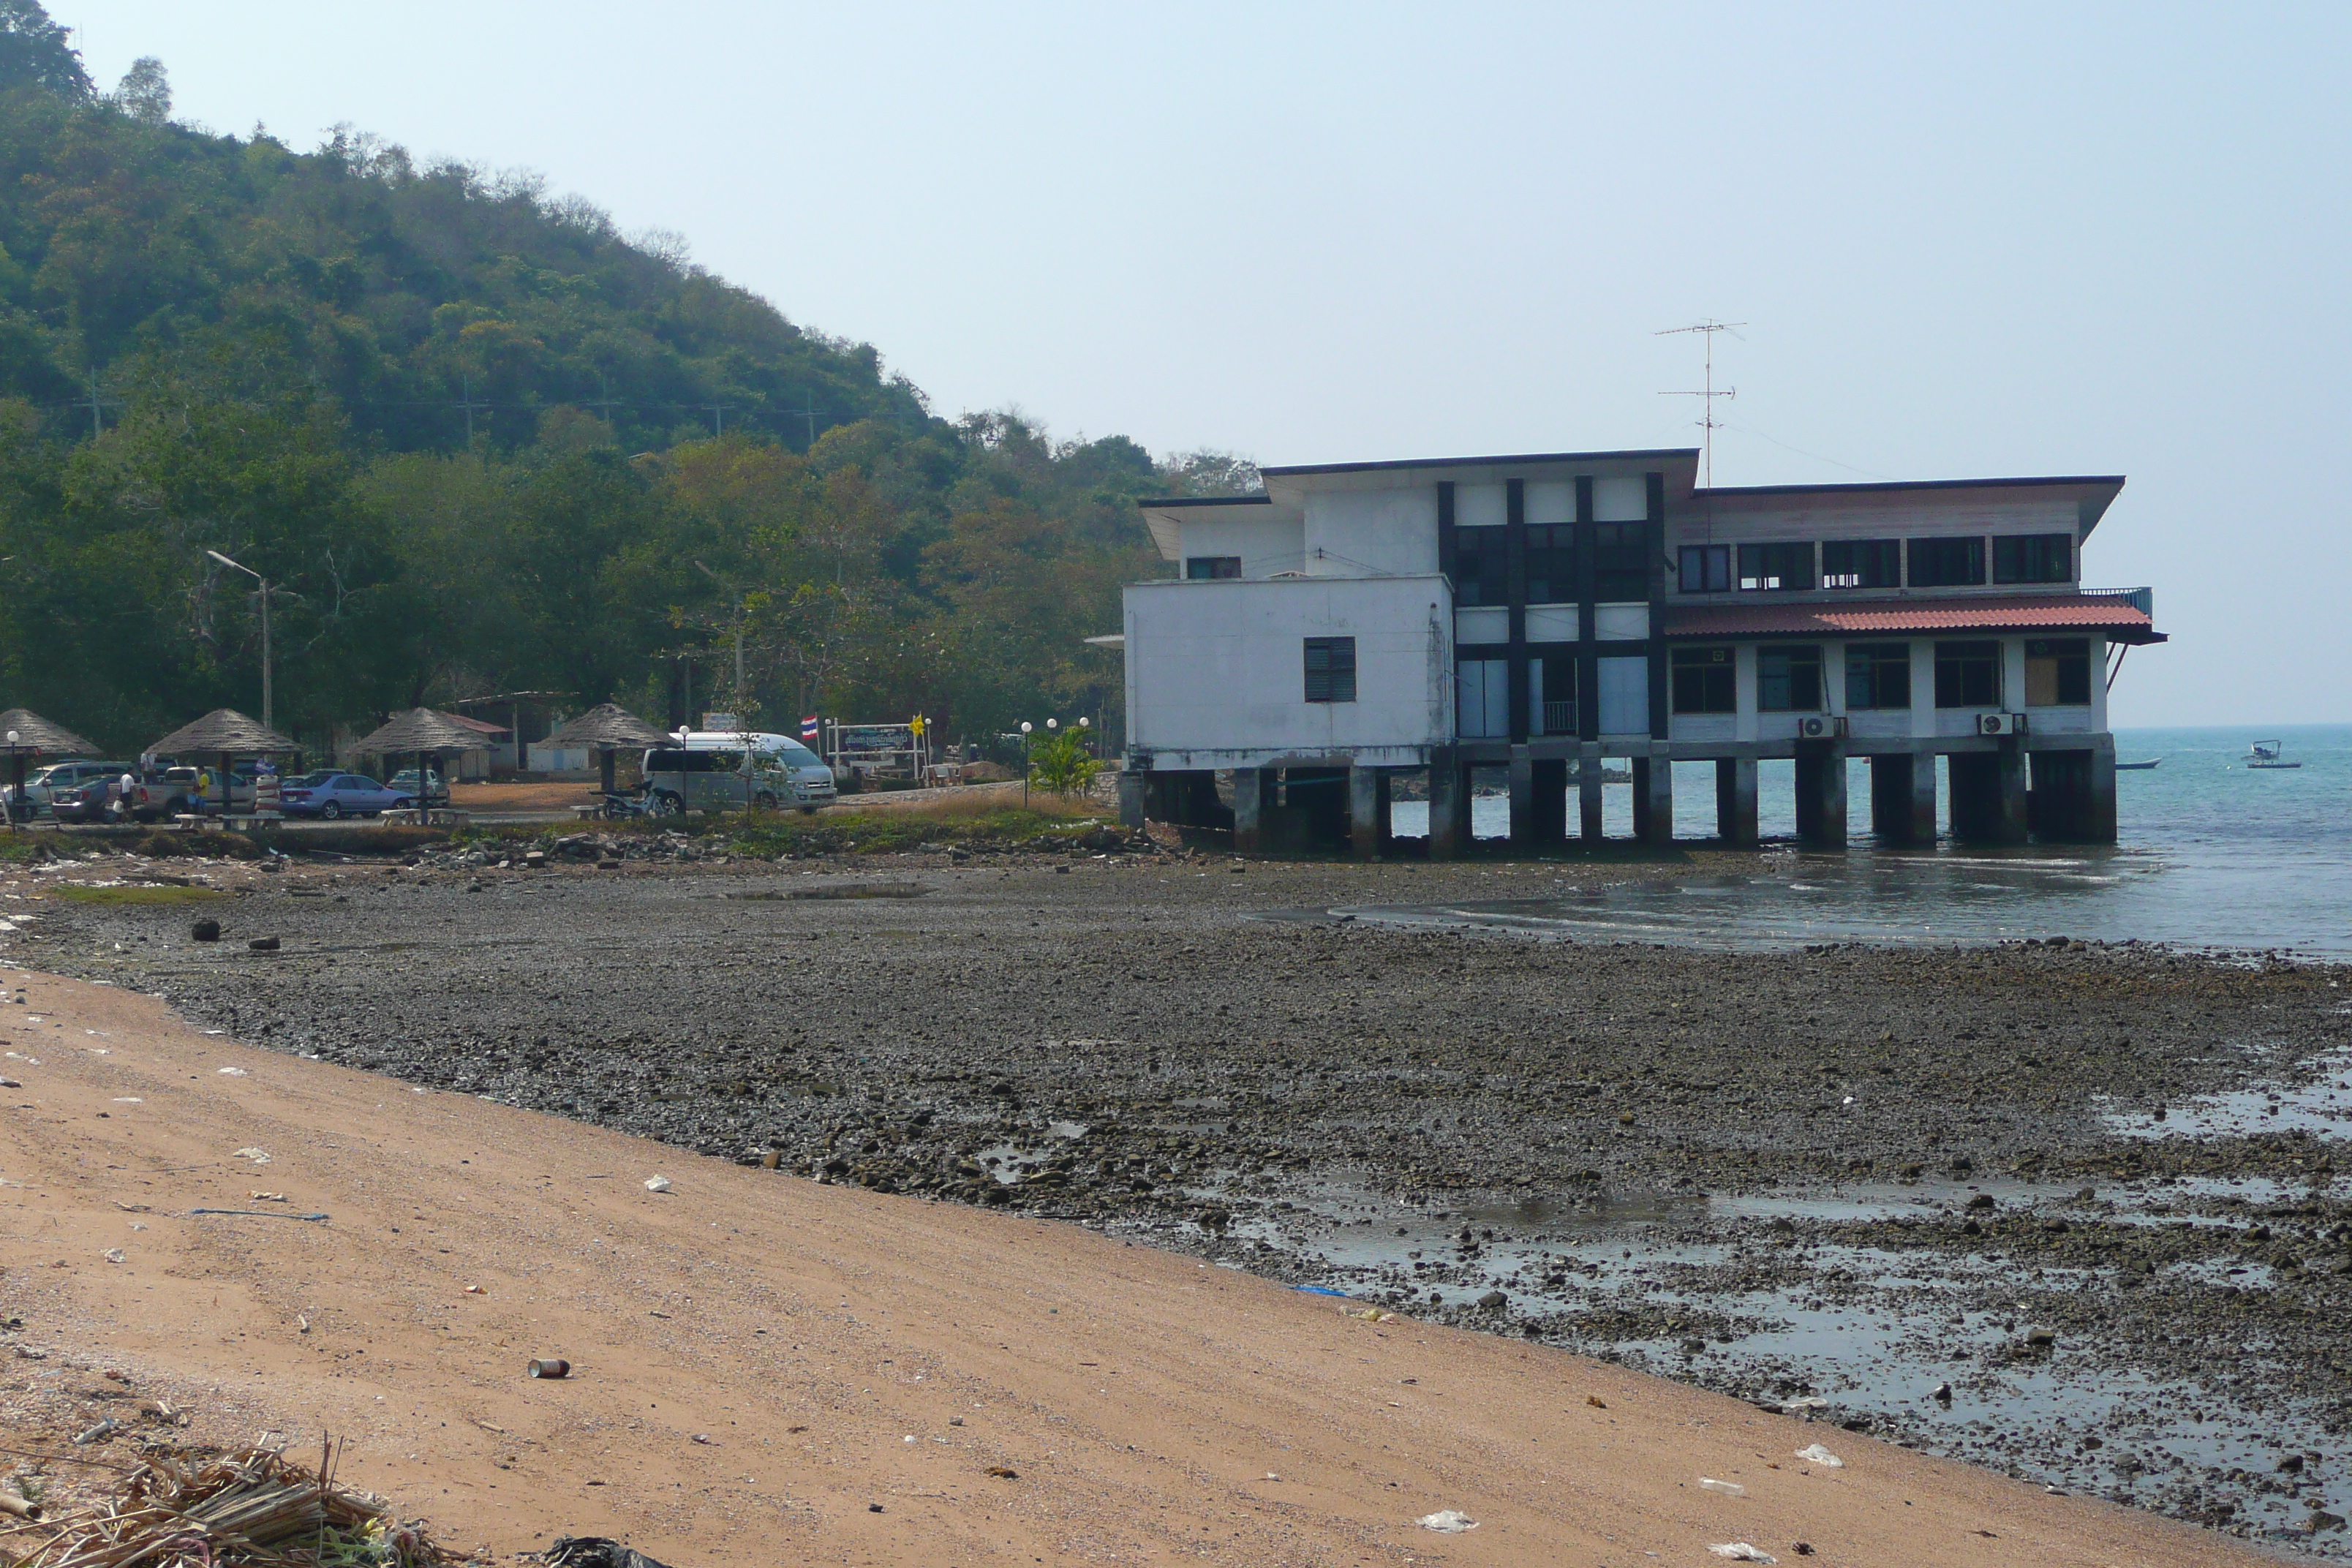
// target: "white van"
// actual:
[[726, 770]]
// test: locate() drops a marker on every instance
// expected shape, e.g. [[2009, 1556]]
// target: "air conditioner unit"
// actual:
[[1822, 727], [2001, 723]]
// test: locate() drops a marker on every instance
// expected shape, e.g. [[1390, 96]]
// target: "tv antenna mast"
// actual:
[[1708, 425]]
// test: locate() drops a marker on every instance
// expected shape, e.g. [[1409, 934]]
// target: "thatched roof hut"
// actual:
[[24, 731], [605, 728], [224, 732], [418, 730]]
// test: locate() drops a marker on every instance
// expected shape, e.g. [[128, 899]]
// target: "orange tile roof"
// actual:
[[2119, 619]]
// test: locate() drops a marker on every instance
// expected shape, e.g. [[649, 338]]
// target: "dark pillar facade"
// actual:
[[1903, 798], [1449, 804], [1130, 798], [1368, 813], [2072, 795], [1735, 802], [1252, 792], [1587, 795], [1550, 782], [1315, 803], [1989, 795], [1654, 800], [1820, 795], [1185, 798]]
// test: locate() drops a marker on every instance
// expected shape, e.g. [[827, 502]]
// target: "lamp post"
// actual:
[[268, 718]]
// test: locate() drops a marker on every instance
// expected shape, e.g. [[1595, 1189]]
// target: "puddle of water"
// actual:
[[2322, 1108]]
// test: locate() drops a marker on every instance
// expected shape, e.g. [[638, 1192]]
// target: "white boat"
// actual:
[[2265, 754]]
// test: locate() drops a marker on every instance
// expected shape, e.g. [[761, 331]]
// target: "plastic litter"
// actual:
[[257, 1156], [1740, 1552], [264, 1214], [549, 1366], [1815, 1454], [657, 1184], [1728, 1489], [114, 1255], [233, 1072], [595, 1551], [1320, 1290], [98, 1434], [1447, 1522]]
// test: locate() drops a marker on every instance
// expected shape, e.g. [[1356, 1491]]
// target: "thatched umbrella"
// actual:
[[606, 729], [227, 734], [427, 733], [29, 734]]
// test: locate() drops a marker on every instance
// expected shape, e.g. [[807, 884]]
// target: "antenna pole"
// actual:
[[1707, 423]]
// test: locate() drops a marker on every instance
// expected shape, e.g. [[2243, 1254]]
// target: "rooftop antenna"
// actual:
[[1706, 423]]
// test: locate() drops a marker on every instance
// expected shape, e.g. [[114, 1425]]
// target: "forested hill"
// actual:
[[483, 442]]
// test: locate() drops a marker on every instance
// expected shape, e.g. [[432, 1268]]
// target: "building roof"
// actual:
[[224, 730], [1511, 460], [606, 726], [35, 733], [420, 730], [2092, 494], [480, 726], [2115, 617]]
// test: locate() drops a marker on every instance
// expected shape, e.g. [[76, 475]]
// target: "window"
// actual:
[[1621, 563], [2034, 558], [1703, 681], [1782, 567], [1946, 562], [1211, 568], [1861, 564], [1330, 669], [2058, 672], [1551, 563], [1968, 674], [1788, 679], [1877, 675], [1552, 678], [1482, 698], [1482, 566], [1707, 568]]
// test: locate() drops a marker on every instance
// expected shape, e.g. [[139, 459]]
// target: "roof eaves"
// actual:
[[1507, 459]]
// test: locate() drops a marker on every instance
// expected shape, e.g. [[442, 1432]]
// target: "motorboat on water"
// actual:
[[2138, 767], [2265, 754]]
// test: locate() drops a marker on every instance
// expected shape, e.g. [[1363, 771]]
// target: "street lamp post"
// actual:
[[269, 720]]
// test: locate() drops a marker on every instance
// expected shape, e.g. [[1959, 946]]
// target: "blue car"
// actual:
[[333, 795]]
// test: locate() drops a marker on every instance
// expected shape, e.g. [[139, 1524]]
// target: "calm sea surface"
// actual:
[[2212, 854]]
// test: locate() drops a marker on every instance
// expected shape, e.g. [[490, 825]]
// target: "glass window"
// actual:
[[1861, 564], [1788, 679], [1877, 675], [1705, 568], [1776, 567], [1482, 566], [1968, 674], [2058, 672], [1482, 698], [1621, 563], [1703, 680], [1946, 562], [1551, 563], [2034, 558], [1211, 568], [1330, 669]]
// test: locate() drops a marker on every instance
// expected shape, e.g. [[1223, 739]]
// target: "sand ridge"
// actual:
[[1154, 1409]]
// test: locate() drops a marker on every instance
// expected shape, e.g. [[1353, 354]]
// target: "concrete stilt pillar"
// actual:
[[2099, 810], [1550, 781], [1523, 798], [1654, 800], [1735, 802], [1903, 798], [1988, 801], [2014, 820], [1588, 793], [1252, 790], [1449, 804], [1130, 798], [1820, 795], [1368, 813]]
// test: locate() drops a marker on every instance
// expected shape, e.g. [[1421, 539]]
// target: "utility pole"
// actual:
[[268, 718], [809, 414], [604, 399], [468, 405], [718, 412], [96, 420], [1707, 330]]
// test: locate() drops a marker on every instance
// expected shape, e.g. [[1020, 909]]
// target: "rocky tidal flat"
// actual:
[[2077, 1211]]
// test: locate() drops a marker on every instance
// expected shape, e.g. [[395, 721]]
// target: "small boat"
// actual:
[[2138, 767], [2265, 754]]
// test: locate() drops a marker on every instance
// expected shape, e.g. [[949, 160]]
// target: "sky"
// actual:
[[1962, 241]]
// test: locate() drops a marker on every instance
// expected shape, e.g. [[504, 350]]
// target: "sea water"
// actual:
[[2210, 853]]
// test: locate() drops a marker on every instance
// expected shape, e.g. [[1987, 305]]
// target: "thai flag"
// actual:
[[809, 727]]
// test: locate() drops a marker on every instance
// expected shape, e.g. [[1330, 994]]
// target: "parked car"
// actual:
[[43, 783], [164, 791], [83, 798], [715, 771], [333, 795], [404, 789]]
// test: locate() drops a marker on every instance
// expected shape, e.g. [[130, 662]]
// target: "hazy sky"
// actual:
[[1981, 241]]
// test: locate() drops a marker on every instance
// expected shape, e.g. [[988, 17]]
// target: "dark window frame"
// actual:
[[1703, 681], [1704, 569], [1621, 562], [1875, 671], [2034, 558], [1220, 568], [1330, 667], [1968, 674], [1482, 567], [1851, 563], [1795, 687], [1950, 560], [1777, 566], [1551, 563], [2071, 677]]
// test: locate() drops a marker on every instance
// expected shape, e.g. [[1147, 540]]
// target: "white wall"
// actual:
[[1215, 671], [1622, 499], [1481, 505], [1368, 532], [1266, 544]]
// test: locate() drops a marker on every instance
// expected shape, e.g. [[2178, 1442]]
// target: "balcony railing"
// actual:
[[2140, 599]]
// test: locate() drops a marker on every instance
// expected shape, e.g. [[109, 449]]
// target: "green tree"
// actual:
[[33, 52]]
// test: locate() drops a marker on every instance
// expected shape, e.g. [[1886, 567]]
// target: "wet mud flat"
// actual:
[[2081, 1212]]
